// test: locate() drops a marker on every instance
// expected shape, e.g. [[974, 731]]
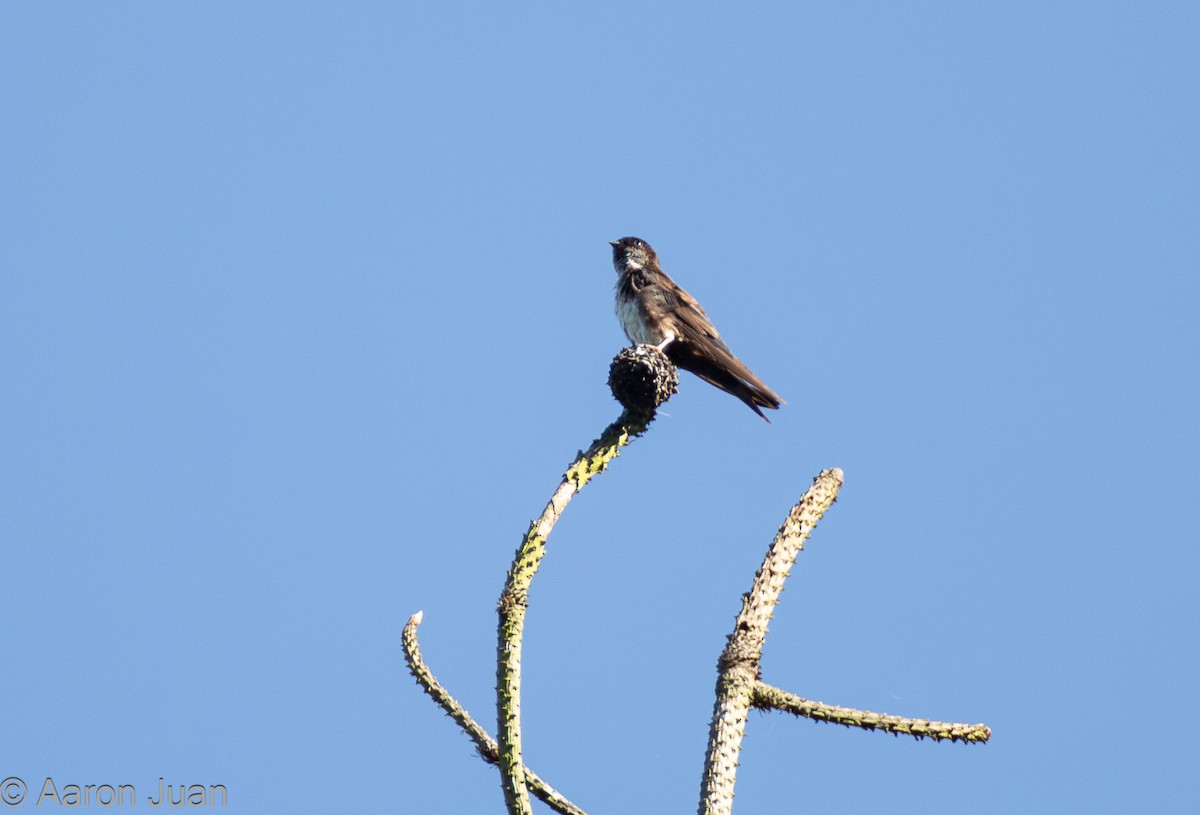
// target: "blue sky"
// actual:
[[305, 307]]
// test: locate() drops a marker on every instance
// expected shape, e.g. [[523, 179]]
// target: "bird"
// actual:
[[655, 310]]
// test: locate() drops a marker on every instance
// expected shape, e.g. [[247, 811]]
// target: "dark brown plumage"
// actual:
[[655, 310]]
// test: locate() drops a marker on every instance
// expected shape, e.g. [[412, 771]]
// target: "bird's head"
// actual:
[[632, 255]]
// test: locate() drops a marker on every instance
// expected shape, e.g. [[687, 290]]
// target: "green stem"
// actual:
[[484, 743], [514, 599], [767, 697]]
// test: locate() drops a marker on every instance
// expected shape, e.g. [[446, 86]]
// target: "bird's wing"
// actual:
[[702, 351]]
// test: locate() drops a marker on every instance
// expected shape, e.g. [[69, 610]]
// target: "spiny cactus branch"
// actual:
[[767, 697], [641, 378], [738, 667], [488, 750]]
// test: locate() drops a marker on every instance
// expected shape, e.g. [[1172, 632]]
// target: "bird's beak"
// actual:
[[613, 244]]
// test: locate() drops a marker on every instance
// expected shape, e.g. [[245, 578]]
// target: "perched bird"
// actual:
[[655, 310]]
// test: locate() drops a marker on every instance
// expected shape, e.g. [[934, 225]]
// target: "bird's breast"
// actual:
[[633, 321]]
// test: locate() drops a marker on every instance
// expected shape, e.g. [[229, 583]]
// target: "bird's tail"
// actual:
[[730, 375]]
